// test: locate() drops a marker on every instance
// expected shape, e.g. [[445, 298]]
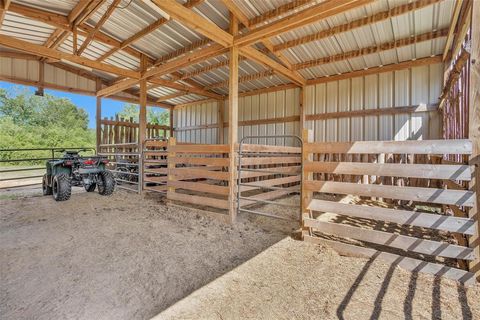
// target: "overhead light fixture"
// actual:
[[155, 8]]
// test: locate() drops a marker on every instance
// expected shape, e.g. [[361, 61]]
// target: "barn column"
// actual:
[[233, 121], [142, 121], [98, 118], [474, 129]]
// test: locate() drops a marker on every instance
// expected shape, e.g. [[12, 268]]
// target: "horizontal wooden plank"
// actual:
[[409, 264], [427, 171], [191, 173], [462, 146], [157, 170], [197, 200], [162, 188], [199, 161], [268, 160], [404, 217], [155, 161], [155, 144], [407, 243], [155, 179], [198, 186], [268, 148], [269, 183], [200, 148], [272, 171], [430, 195], [372, 112]]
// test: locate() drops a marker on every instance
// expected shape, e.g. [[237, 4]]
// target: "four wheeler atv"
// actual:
[[75, 170]]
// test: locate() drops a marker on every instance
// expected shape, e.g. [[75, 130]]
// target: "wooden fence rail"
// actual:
[[411, 173]]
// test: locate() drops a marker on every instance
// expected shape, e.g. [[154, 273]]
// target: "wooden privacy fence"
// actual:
[[119, 130], [386, 231]]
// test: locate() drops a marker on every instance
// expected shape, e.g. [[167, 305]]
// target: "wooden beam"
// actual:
[[172, 96], [378, 17], [145, 31], [214, 66], [281, 10], [97, 27], [142, 120], [235, 10], [372, 49], [242, 79], [196, 22], [321, 11], [462, 28], [233, 122], [182, 87], [62, 23], [35, 49], [169, 67], [255, 55], [98, 117], [453, 26], [3, 9], [474, 130], [374, 70]]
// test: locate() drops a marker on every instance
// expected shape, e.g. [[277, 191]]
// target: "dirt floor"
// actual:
[[132, 257]]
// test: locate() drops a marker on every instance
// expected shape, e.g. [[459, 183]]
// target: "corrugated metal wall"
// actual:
[[28, 70], [203, 114], [409, 87]]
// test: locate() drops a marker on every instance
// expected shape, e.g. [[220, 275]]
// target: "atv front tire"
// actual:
[[107, 185], [91, 187], [61, 187], [47, 190]]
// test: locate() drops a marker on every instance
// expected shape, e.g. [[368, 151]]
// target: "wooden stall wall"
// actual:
[[398, 105]]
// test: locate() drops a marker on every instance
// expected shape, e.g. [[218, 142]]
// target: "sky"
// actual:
[[88, 103]]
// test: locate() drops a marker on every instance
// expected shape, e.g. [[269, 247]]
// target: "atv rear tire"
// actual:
[[107, 185], [61, 187], [47, 190], [90, 188]]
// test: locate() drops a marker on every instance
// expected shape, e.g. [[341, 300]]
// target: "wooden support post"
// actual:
[[474, 130], [170, 135], [171, 165], [302, 98], [307, 137], [221, 112], [41, 77], [98, 117], [233, 122], [142, 122]]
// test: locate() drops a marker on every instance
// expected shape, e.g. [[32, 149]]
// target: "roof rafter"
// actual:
[[212, 31], [321, 11], [235, 10], [283, 9], [381, 16], [97, 27], [61, 22], [145, 31], [4, 4], [373, 49], [76, 18], [58, 55]]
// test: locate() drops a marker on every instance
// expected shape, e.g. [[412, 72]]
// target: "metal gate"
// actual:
[[271, 172]]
